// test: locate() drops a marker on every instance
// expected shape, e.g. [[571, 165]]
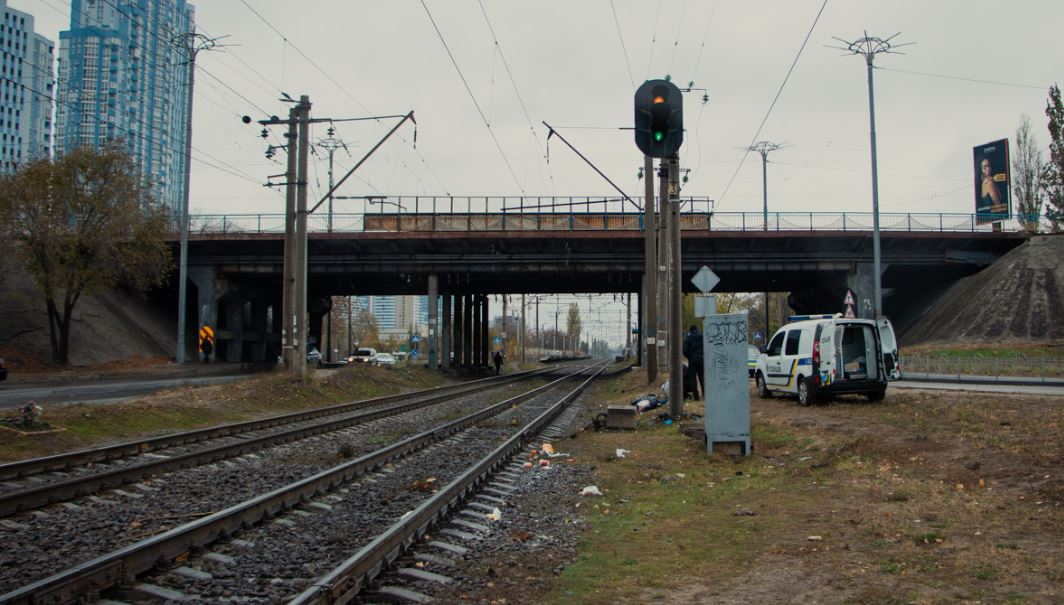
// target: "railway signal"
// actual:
[[658, 118]]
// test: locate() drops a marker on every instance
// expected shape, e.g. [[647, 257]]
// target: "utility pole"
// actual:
[[664, 261], [330, 144], [193, 44], [675, 293], [650, 275], [869, 47], [288, 339], [764, 148], [300, 257]]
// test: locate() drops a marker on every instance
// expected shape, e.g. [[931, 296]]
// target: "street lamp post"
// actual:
[[869, 47]]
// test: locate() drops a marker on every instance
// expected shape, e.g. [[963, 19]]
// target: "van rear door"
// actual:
[[890, 348]]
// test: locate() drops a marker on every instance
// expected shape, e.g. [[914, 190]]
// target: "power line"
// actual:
[[961, 78], [520, 99], [773, 104], [100, 120], [705, 36], [329, 77], [676, 43], [472, 97], [653, 40], [627, 63]]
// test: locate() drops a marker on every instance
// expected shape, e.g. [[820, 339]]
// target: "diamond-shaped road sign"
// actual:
[[705, 280]]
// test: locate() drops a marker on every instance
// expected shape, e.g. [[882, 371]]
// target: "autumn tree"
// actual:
[[83, 223], [573, 325], [365, 329], [1052, 175], [1026, 168]]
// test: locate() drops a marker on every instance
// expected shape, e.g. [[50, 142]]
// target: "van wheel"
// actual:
[[806, 394], [875, 396], [762, 388]]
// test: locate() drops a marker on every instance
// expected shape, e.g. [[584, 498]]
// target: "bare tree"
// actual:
[[1026, 173], [1052, 176], [81, 224]]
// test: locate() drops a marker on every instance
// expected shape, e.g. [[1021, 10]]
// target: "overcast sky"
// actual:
[[576, 65]]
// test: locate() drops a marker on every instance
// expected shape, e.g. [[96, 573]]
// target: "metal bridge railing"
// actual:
[[573, 220]]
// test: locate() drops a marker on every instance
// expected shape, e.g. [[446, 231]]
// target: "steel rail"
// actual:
[[22, 468], [59, 491], [346, 580], [124, 564]]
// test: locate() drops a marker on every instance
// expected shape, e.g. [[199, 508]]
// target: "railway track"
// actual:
[[33, 483], [379, 480]]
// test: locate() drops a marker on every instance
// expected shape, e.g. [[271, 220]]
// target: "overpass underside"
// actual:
[[237, 277]]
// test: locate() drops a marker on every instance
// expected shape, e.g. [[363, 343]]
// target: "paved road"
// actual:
[[983, 388], [98, 391]]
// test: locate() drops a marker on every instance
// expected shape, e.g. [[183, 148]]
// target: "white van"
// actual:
[[820, 355]]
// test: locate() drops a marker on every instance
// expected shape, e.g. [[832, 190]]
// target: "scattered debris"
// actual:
[[494, 515], [744, 512], [621, 452], [590, 490]]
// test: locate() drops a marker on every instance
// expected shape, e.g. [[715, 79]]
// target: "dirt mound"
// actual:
[[106, 327], [1016, 299]]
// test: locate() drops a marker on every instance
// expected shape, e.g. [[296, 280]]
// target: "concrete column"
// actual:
[[234, 331], [208, 289], [433, 318], [485, 331], [861, 279], [459, 330], [467, 330], [478, 329], [257, 346], [445, 329]]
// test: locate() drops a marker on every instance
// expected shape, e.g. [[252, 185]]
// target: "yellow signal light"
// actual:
[[659, 99]]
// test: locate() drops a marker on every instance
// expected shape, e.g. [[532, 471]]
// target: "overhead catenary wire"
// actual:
[[472, 97], [517, 91], [653, 41], [227, 168], [676, 43], [624, 50], [346, 92], [961, 78], [771, 106]]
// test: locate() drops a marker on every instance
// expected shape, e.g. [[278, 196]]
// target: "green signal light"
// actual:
[[658, 136]]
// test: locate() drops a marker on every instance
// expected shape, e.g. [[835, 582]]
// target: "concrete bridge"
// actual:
[[466, 252]]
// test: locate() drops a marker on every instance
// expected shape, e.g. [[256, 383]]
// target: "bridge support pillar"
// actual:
[[445, 331], [259, 327], [208, 286], [458, 335], [234, 330], [434, 286], [861, 279], [485, 337], [317, 309], [477, 330]]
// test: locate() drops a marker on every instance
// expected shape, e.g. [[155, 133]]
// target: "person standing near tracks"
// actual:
[[497, 360], [692, 350]]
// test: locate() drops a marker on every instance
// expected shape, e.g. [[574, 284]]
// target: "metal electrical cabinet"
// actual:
[[727, 381]]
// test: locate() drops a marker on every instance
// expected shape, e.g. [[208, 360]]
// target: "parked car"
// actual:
[[819, 355], [382, 359], [362, 355], [752, 353], [3, 370], [313, 355]]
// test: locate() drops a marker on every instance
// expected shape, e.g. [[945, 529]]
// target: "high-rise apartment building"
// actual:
[[26, 90], [123, 76]]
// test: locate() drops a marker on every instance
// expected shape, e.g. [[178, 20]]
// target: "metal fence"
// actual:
[[1018, 364], [580, 214]]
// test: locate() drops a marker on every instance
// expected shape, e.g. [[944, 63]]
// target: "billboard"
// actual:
[[992, 200]]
